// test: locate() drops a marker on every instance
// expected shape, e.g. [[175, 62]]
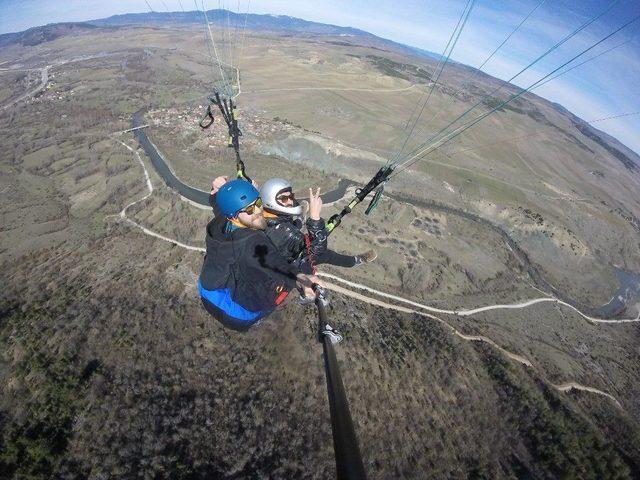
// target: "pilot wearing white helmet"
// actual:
[[283, 215]]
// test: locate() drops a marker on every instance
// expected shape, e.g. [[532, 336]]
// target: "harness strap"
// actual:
[[281, 295], [312, 260], [207, 120]]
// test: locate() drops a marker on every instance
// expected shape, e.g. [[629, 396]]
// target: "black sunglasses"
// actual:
[[285, 196]]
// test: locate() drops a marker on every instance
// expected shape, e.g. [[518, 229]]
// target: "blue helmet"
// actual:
[[233, 196]]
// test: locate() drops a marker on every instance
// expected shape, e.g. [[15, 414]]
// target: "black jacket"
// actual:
[[247, 263], [285, 233]]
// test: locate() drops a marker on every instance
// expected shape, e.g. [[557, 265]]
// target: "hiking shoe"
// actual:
[[306, 300], [366, 257], [334, 336]]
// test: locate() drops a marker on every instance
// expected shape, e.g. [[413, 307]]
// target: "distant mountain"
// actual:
[[37, 35], [277, 23], [229, 18]]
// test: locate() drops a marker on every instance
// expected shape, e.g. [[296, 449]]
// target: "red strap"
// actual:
[[280, 298], [312, 260]]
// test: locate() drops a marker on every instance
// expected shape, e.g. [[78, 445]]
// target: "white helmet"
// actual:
[[269, 193]]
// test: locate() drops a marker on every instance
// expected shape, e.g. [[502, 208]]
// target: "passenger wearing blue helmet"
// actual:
[[244, 278]]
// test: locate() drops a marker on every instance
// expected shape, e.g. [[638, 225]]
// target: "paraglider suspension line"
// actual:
[[228, 110]]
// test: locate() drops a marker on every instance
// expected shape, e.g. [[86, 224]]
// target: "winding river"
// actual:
[[199, 196]]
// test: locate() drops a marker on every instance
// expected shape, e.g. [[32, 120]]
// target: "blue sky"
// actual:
[[607, 86]]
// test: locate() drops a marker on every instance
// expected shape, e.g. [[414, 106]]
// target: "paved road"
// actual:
[[473, 311]]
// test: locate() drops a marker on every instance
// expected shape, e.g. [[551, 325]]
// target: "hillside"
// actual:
[[37, 35], [488, 340]]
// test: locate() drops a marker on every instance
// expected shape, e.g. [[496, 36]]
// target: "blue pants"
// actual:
[[224, 309], [227, 320]]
